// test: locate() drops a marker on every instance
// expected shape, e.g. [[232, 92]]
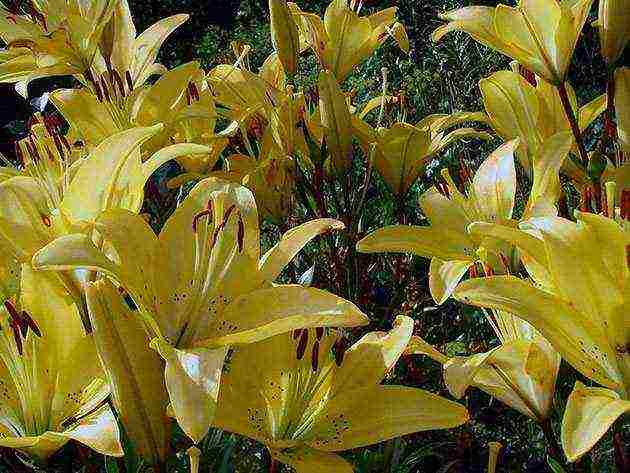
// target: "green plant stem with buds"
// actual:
[[553, 448], [575, 128]]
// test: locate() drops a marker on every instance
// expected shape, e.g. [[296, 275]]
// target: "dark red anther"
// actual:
[[15, 327], [610, 127], [50, 126], [472, 272], [315, 356], [58, 144], [198, 217], [105, 89], [301, 347], [240, 236], [528, 75], [488, 269], [65, 142], [30, 323], [119, 83], [32, 148], [13, 313], [194, 92], [442, 187], [506, 262], [319, 333], [99, 93], [339, 350], [129, 81], [188, 97], [625, 204], [297, 333], [46, 221], [49, 153]]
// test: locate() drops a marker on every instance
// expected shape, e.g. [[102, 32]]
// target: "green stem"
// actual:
[[619, 447], [575, 128], [553, 448]]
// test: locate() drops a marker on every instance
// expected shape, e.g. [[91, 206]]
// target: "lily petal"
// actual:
[[192, 379], [444, 276], [291, 243], [590, 412], [367, 361], [574, 336], [134, 370], [251, 317], [371, 415], [308, 460]]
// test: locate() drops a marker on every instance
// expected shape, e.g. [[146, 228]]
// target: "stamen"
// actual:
[[506, 263], [119, 82], [46, 221], [301, 347], [194, 92], [15, 327], [625, 204], [319, 333], [528, 75], [105, 89], [30, 323], [18, 152], [199, 216], [585, 205], [219, 229], [58, 144], [240, 234], [339, 350], [315, 356], [129, 81], [297, 333]]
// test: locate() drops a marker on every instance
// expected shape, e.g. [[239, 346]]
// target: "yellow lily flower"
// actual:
[[59, 192], [539, 34], [489, 198], [344, 39], [95, 42], [181, 100], [129, 59], [533, 113], [403, 151], [445, 241], [613, 22], [521, 372], [61, 37], [201, 286], [53, 389], [579, 303], [271, 181], [305, 399]]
